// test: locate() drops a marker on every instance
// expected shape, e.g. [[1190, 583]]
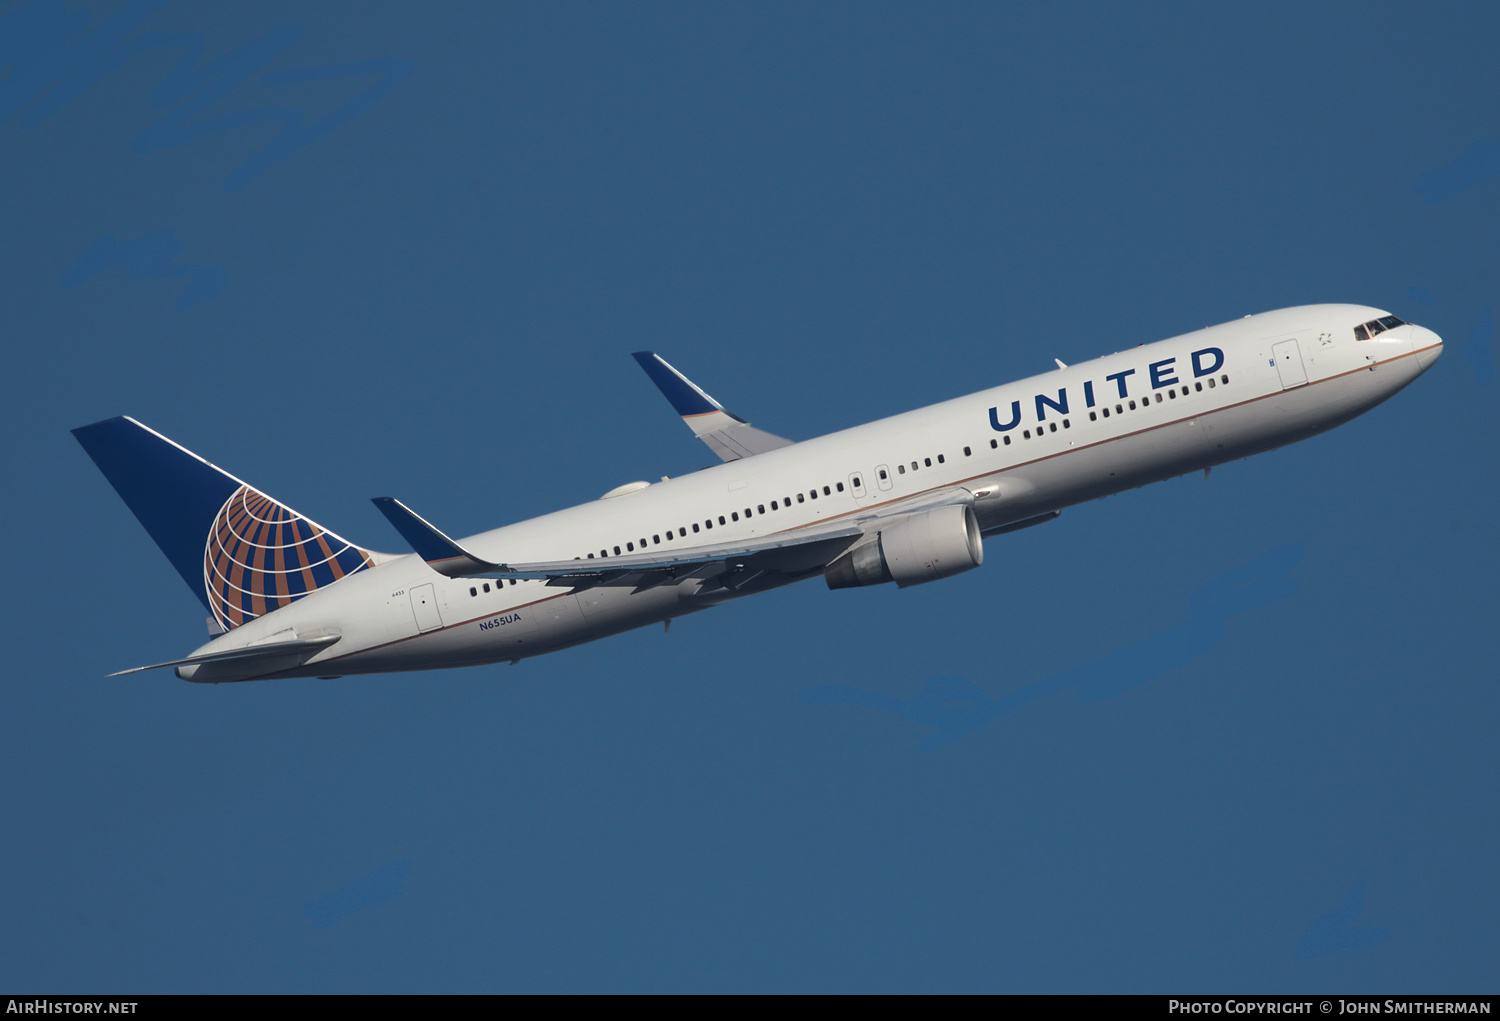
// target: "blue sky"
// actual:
[[823, 213]]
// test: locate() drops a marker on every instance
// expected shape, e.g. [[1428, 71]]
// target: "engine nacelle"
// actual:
[[923, 546]]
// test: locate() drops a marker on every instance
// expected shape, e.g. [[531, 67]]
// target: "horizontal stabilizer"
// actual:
[[305, 648], [428, 542], [726, 434]]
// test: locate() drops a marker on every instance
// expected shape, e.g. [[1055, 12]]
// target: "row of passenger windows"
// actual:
[[915, 467], [708, 523], [901, 469], [473, 591], [1121, 408], [1375, 326]]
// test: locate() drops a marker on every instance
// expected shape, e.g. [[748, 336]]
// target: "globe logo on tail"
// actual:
[[262, 555]]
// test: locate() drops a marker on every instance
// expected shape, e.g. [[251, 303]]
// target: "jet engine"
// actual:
[[913, 548]]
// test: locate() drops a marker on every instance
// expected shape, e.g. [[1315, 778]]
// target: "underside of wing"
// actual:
[[727, 435]]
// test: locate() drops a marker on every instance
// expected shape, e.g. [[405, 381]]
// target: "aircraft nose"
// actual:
[[1427, 345]]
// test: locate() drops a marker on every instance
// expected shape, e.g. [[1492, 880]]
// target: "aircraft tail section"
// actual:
[[243, 553]]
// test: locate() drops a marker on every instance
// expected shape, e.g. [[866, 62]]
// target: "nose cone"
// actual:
[[1427, 346]]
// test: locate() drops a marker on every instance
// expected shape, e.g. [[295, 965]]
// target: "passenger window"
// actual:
[[995, 443], [1224, 380], [1007, 440], [774, 505], [900, 470], [1210, 382], [813, 493], [591, 556], [472, 592], [1106, 412], [760, 508], [733, 514], [1132, 405], [617, 551], [604, 553], [1185, 391], [1198, 387], [643, 542], [914, 465], [695, 526], [1170, 393], [801, 498], [1066, 425], [1093, 416], [1026, 434], [486, 586], [656, 539], [940, 459], [708, 523], [630, 547], [1120, 410], [927, 461], [1360, 333], [721, 519], [839, 486]]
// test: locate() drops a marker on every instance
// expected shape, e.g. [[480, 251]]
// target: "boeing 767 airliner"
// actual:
[[907, 499]]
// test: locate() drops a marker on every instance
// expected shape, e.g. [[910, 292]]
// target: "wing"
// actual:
[[794, 552], [727, 435]]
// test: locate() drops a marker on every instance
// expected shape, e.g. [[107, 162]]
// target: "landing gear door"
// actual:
[[1288, 358]]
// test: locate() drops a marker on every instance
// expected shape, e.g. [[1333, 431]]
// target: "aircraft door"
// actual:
[[1288, 358], [883, 476], [425, 609], [857, 486]]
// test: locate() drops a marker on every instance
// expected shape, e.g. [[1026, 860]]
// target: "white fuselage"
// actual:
[[1172, 407]]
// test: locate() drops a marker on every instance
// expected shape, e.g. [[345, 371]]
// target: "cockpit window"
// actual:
[[1391, 322], [1360, 333], [1374, 327]]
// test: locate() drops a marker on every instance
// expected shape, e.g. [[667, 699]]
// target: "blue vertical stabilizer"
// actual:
[[243, 553]]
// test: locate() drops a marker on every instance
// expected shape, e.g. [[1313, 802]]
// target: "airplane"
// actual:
[[906, 500]]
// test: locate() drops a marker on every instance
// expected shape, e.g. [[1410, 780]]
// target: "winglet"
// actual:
[[726, 434], [441, 553], [685, 395]]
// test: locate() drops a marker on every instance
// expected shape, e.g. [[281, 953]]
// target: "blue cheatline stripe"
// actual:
[[684, 396], [173, 493]]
